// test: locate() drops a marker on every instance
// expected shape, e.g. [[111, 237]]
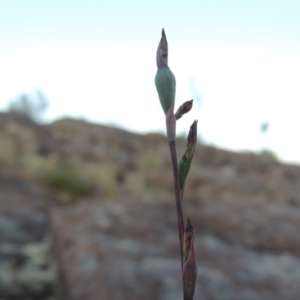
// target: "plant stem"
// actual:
[[172, 147]]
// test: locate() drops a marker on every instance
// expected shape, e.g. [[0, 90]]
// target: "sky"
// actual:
[[95, 60]]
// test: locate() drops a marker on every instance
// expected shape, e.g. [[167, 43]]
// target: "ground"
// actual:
[[118, 239]]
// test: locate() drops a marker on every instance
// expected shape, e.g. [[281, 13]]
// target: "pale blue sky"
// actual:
[[96, 60]]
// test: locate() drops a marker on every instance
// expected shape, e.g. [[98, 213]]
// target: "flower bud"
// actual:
[[183, 109], [188, 235], [164, 80], [185, 163], [189, 274]]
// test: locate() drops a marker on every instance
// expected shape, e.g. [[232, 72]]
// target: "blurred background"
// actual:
[[86, 199]]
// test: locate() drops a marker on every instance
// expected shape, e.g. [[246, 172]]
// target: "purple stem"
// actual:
[[172, 147]]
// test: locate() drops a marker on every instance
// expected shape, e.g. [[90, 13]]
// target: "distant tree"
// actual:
[[264, 127], [31, 105]]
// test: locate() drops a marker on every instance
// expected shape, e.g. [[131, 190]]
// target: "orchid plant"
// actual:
[[166, 88]]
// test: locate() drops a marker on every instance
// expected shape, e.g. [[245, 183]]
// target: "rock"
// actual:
[[121, 241], [27, 267], [130, 250]]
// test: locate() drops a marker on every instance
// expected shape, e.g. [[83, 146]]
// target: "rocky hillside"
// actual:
[[87, 212]]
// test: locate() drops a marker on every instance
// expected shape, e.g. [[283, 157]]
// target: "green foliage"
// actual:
[[66, 179], [269, 155]]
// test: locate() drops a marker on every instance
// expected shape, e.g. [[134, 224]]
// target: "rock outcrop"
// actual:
[[117, 239]]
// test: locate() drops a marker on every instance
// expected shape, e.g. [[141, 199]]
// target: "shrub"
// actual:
[[66, 179]]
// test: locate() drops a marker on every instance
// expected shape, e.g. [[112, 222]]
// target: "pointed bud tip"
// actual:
[[189, 226], [188, 105], [162, 51], [184, 108], [192, 136]]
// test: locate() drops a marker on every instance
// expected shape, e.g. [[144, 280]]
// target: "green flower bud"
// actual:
[[164, 80], [185, 163]]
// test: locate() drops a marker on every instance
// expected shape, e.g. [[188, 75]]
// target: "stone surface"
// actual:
[[27, 267], [130, 250], [120, 241]]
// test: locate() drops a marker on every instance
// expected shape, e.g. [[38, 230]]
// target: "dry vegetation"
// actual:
[[76, 159]]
